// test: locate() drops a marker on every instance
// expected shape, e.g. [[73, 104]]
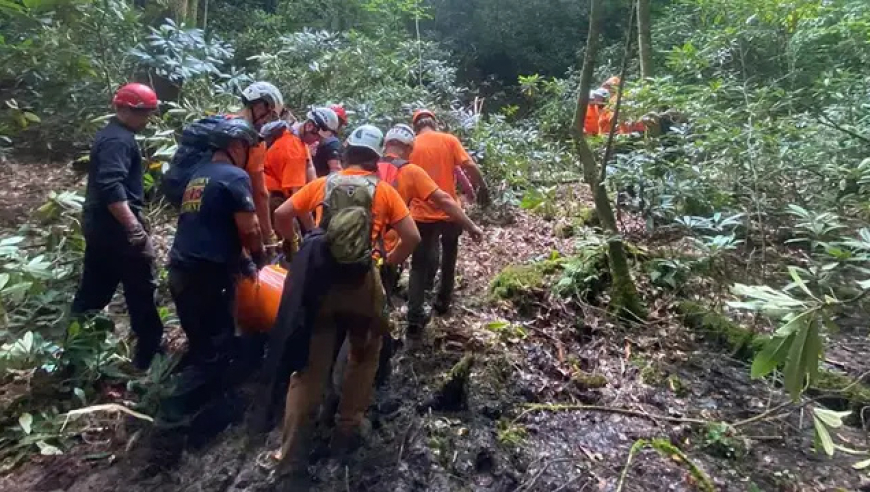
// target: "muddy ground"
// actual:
[[656, 380]]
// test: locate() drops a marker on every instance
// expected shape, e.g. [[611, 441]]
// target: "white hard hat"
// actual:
[[324, 118], [401, 133], [367, 136], [263, 91], [599, 93]]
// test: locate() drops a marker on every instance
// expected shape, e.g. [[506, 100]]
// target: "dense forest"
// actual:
[[675, 302]]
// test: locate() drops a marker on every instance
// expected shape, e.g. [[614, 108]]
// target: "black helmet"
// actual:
[[224, 132]]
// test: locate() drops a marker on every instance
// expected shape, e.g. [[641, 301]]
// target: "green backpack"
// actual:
[[347, 218]]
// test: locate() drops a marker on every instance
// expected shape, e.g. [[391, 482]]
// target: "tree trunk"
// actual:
[[644, 38], [192, 12], [624, 298], [179, 11]]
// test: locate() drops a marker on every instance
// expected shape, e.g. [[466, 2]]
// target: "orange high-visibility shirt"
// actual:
[[438, 154]]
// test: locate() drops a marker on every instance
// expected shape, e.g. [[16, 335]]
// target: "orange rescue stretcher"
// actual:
[[257, 301]]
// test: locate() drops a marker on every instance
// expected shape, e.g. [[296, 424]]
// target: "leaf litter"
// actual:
[[545, 358]]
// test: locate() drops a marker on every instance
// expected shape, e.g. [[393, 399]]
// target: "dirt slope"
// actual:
[[656, 374]]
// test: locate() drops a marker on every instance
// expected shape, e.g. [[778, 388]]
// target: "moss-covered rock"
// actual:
[[588, 380], [586, 217], [717, 328], [518, 281], [564, 229], [653, 375], [842, 386]]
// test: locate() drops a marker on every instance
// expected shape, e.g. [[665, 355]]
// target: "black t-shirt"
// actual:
[[328, 150], [207, 230], [114, 175]]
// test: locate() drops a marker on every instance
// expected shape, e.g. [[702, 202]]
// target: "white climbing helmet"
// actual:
[[401, 133], [324, 118], [367, 136], [266, 92], [600, 94]]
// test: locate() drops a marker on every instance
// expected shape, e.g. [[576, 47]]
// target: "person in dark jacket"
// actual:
[[118, 247], [218, 222], [327, 159], [218, 219]]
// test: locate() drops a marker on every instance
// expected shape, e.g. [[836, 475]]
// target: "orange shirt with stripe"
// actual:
[[412, 183], [388, 207], [438, 154], [286, 163]]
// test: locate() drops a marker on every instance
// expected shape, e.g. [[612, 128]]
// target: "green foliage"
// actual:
[[49, 363], [667, 450], [179, 54], [584, 275], [721, 439], [507, 331], [511, 434], [517, 282], [60, 63], [668, 273], [38, 268], [806, 308]]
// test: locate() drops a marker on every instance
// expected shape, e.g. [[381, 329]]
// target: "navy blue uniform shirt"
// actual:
[[207, 232], [114, 175]]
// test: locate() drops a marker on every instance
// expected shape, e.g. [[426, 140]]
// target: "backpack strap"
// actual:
[[395, 161], [397, 164], [332, 182], [373, 181]]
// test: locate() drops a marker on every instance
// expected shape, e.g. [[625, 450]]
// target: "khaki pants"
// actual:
[[362, 306]]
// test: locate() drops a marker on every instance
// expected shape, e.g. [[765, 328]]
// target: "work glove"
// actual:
[[139, 241], [248, 268], [260, 259], [273, 246]]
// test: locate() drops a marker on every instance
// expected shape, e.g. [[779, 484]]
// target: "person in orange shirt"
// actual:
[[438, 153], [594, 109], [413, 183], [362, 301], [263, 103], [288, 162]]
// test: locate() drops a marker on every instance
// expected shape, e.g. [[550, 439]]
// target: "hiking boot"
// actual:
[[441, 308], [389, 407], [344, 442], [295, 481], [144, 355], [414, 333], [328, 410]]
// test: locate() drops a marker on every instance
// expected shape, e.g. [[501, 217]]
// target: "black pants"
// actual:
[[107, 265], [204, 297], [425, 263]]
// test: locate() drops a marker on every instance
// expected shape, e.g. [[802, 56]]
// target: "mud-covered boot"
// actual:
[[346, 441]]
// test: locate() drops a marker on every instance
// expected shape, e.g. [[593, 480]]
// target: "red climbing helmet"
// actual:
[[422, 113], [341, 113], [136, 96]]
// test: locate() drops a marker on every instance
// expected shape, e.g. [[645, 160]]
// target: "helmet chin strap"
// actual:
[[233, 159]]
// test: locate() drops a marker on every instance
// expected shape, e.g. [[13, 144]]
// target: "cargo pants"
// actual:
[[361, 307], [424, 265]]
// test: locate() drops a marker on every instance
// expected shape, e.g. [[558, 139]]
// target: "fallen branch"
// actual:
[[536, 407], [107, 407]]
